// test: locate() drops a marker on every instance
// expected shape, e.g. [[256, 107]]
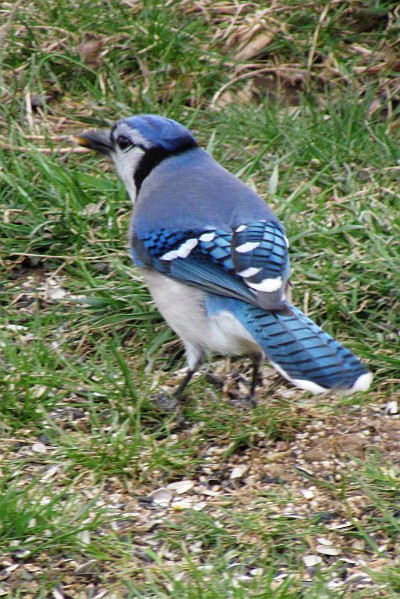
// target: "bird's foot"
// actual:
[[167, 403], [214, 380], [252, 400], [248, 402]]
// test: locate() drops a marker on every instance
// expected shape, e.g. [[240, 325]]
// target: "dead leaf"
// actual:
[[90, 49], [256, 45]]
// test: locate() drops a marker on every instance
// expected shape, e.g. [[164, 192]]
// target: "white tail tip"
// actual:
[[362, 383]]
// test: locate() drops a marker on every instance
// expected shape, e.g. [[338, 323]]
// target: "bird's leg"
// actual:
[[182, 385], [170, 403], [195, 358], [257, 359]]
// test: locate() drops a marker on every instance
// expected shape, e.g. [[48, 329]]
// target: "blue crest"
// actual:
[[161, 131]]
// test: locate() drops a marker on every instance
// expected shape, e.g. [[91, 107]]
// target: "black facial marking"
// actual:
[[153, 157]]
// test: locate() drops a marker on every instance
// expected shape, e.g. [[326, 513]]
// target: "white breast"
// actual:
[[183, 308]]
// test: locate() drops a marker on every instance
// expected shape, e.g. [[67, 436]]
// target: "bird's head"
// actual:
[[138, 144]]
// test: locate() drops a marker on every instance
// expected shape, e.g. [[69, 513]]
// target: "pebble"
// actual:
[[311, 560], [87, 568], [197, 507], [162, 496], [238, 471], [184, 504], [392, 407], [328, 550], [308, 494], [39, 448], [324, 541], [49, 473], [181, 486]]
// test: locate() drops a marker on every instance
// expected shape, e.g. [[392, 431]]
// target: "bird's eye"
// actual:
[[123, 142]]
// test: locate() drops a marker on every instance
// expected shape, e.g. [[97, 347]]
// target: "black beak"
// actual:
[[96, 139]]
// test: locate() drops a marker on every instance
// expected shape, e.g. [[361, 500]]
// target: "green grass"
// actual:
[[84, 353]]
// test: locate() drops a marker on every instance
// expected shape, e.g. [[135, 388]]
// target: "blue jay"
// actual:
[[215, 258]]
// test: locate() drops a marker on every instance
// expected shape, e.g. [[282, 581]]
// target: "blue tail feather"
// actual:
[[299, 349]]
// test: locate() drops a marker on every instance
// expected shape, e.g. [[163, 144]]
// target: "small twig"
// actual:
[[62, 257], [29, 111], [23, 149], [261, 71], [53, 137], [4, 30], [315, 37]]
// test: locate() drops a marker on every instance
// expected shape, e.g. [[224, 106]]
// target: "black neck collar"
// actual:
[[154, 156]]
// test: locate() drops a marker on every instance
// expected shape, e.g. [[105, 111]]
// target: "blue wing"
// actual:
[[250, 263], [260, 257]]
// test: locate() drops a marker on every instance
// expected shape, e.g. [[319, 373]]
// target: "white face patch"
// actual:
[[249, 272], [133, 135], [127, 161], [267, 285], [126, 164], [247, 247], [182, 251]]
